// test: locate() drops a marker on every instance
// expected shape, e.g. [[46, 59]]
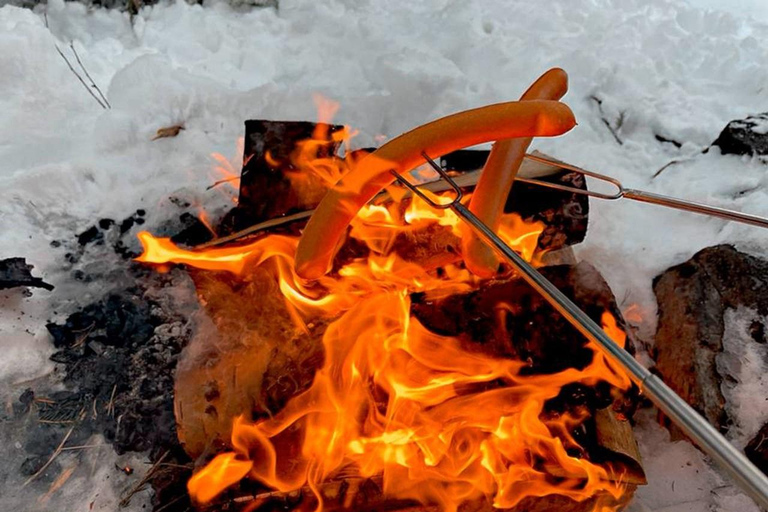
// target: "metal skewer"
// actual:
[[639, 195], [746, 475]]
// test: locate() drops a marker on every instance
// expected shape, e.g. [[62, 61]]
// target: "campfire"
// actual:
[[380, 357]]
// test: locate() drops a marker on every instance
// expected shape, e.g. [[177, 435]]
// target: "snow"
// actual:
[[681, 69], [744, 366]]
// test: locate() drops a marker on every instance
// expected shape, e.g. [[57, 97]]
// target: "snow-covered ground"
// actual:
[[674, 68]]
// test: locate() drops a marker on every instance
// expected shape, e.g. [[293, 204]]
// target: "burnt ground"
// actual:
[[116, 359]]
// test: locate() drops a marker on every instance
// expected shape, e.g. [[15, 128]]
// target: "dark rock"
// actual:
[[747, 136], [15, 272], [693, 298], [757, 449]]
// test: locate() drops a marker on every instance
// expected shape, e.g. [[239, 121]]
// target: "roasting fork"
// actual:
[[746, 474], [637, 195]]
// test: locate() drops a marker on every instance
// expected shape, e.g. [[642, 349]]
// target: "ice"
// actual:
[[674, 68]]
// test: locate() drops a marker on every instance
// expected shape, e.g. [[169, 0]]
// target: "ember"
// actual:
[[436, 420]]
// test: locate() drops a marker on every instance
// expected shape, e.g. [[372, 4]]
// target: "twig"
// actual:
[[172, 502], [221, 182], [605, 121], [256, 228], [140, 485], [110, 407], [86, 332], [82, 447], [93, 84], [669, 164], [79, 77], [53, 457]]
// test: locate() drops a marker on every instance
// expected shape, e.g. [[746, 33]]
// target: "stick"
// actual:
[[93, 84], [140, 485], [80, 78], [53, 457]]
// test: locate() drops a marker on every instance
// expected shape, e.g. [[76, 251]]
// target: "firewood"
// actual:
[[267, 193], [266, 190], [366, 495], [248, 357]]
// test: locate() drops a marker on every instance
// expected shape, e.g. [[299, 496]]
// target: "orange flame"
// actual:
[[440, 424]]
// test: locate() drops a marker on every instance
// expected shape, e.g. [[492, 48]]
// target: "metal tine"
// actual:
[[601, 177], [643, 196], [422, 195]]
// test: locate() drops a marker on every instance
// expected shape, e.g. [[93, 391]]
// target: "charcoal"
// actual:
[[16, 272], [192, 231], [106, 223], [757, 449], [693, 298], [90, 235], [541, 336], [748, 136]]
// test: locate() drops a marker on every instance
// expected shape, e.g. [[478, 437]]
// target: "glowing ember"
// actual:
[[439, 424]]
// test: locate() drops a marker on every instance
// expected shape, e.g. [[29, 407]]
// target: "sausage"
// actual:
[[497, 177], [327, 226]]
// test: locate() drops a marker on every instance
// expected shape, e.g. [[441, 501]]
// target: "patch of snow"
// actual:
[[744, 364]]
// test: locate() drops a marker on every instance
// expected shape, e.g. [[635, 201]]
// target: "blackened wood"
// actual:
[[366, 495], [265, 191], [507, 318], [564, 213]]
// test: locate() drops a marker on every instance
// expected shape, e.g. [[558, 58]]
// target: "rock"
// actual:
[[745, 136], [693, 298]]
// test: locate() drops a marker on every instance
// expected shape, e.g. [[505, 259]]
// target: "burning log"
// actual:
[[269, 187], [247, 357], [271, 361], [366, 495], [400, 366]]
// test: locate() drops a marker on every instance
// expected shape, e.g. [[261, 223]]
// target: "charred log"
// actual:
[[367, 495], [267, 190]]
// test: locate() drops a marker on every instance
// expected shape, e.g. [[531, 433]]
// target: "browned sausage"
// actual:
[[328, 224], [498, 175]]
